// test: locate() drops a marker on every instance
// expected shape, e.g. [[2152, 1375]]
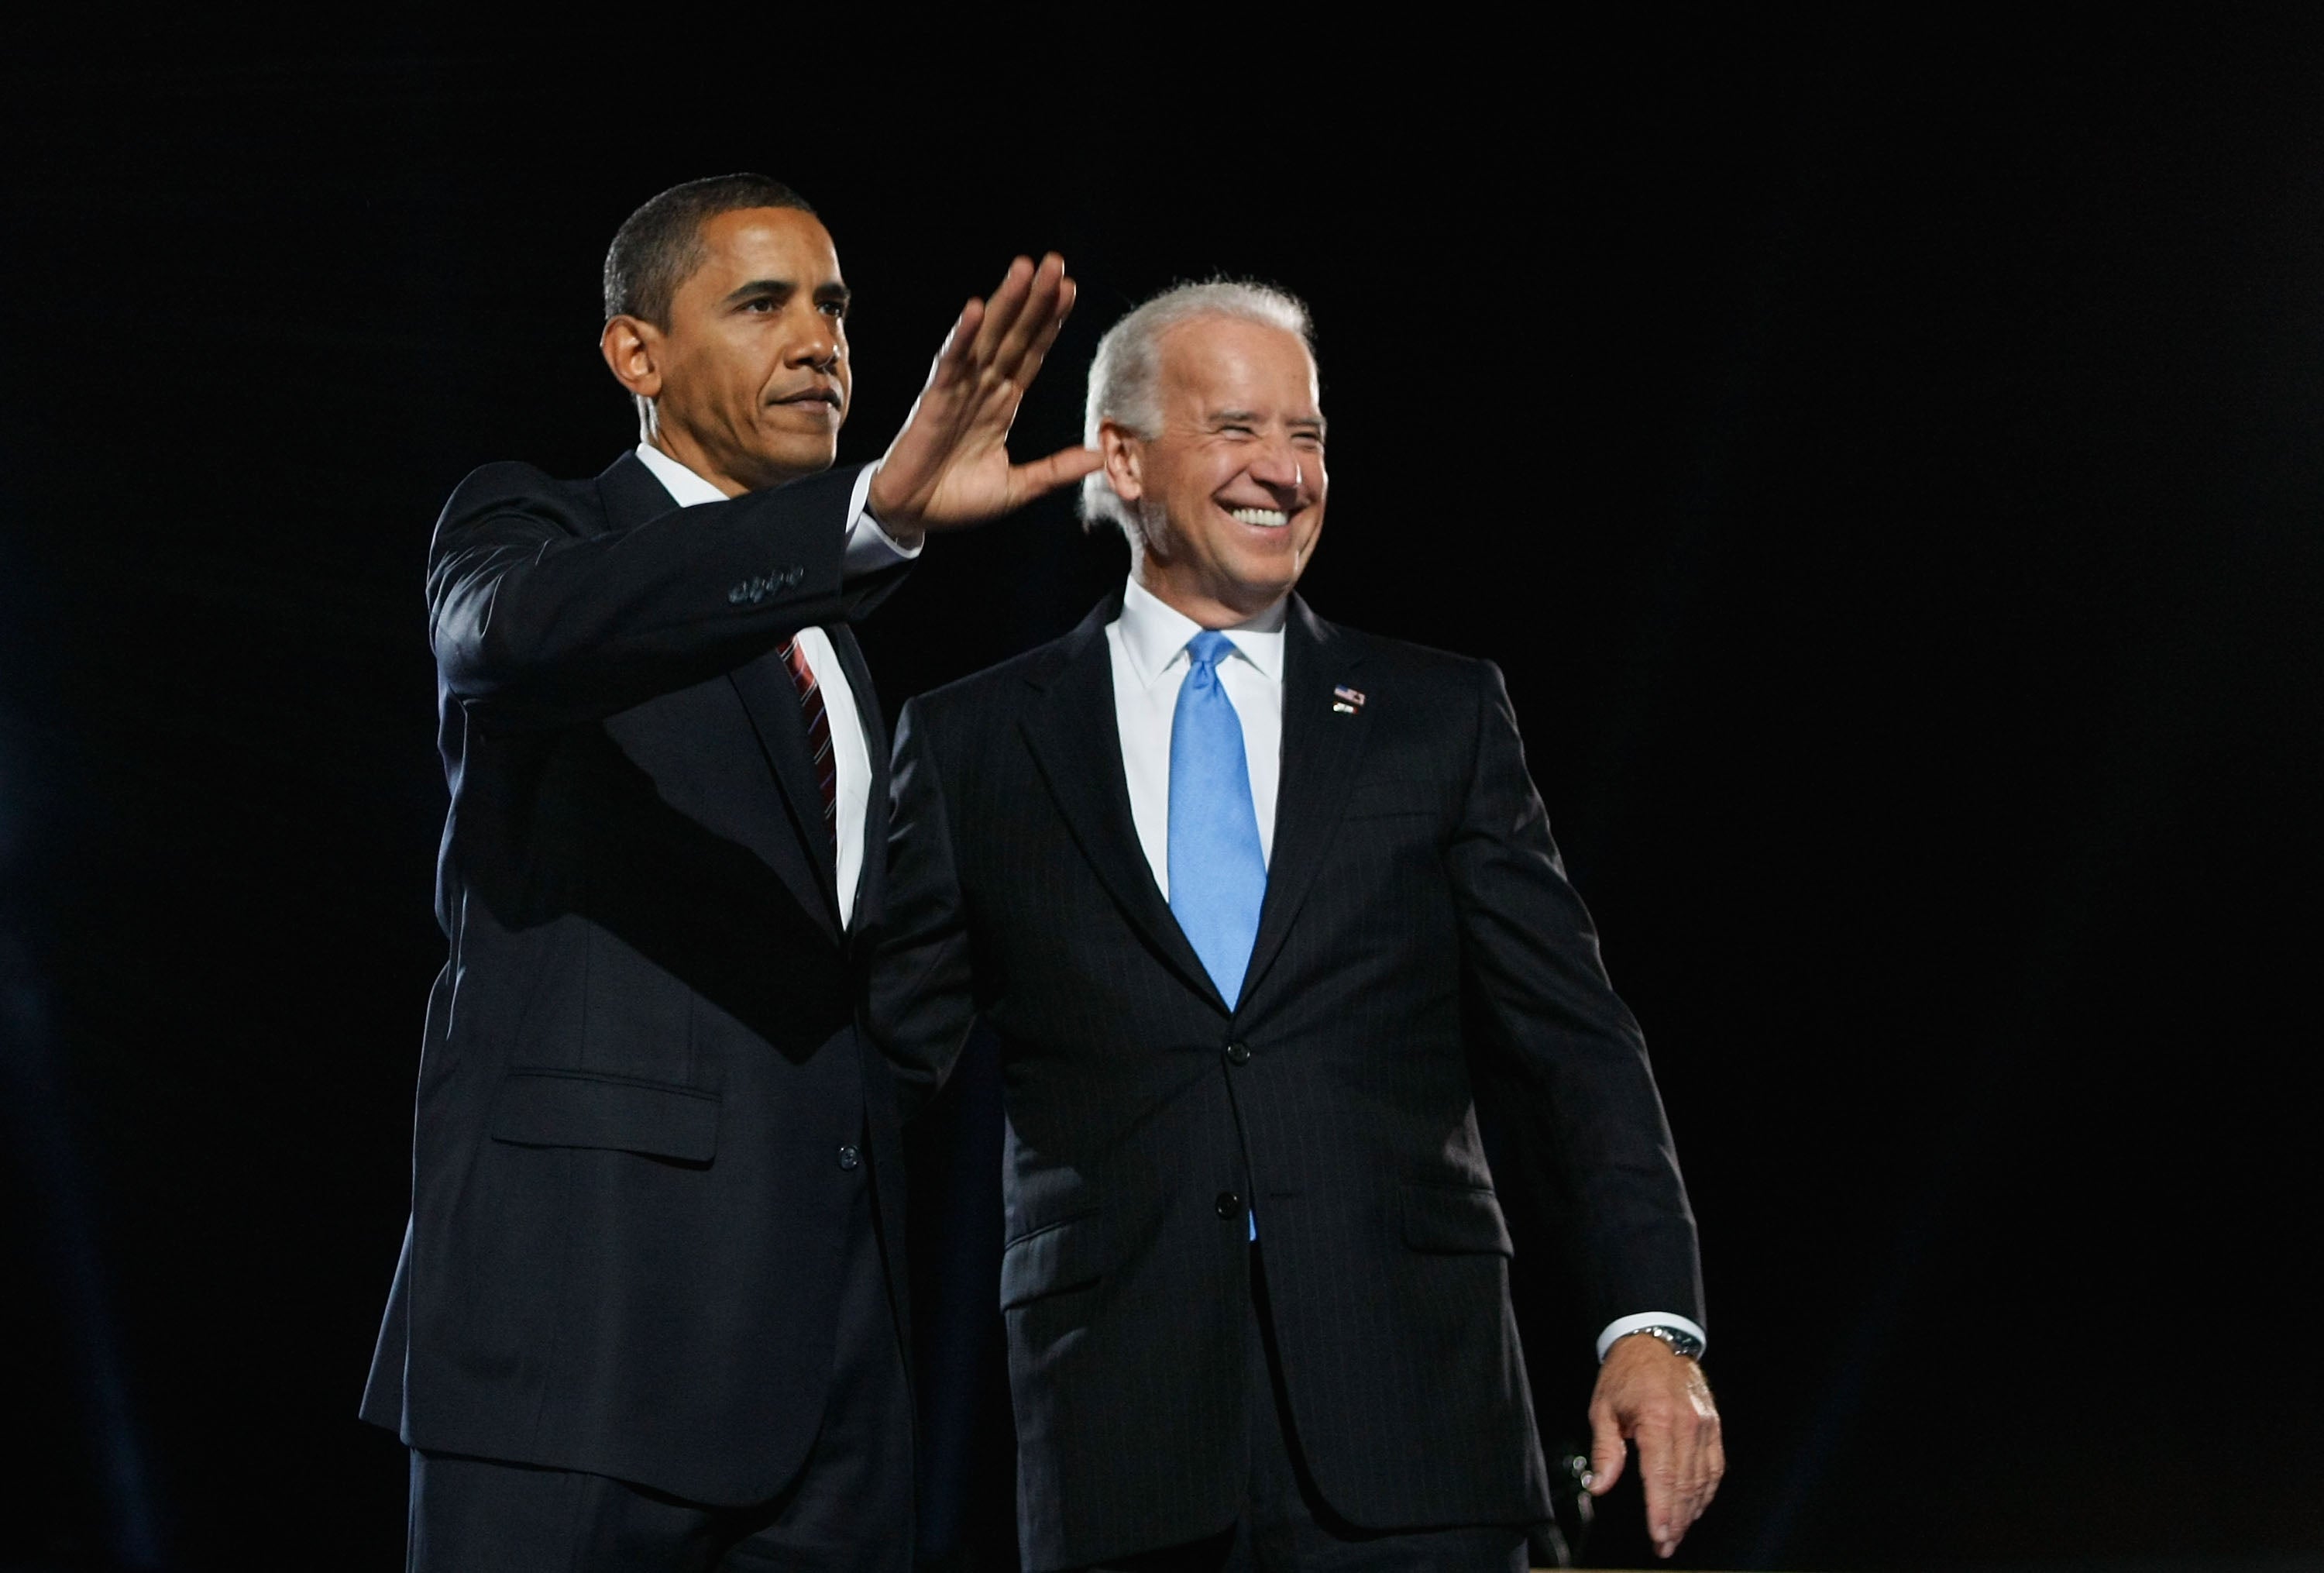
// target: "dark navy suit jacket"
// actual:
[[1414, 890], [644, 1105]]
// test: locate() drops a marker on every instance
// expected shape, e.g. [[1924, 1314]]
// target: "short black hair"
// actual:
[[658, 246]]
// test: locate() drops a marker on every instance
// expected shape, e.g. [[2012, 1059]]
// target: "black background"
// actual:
[[1884, 463]]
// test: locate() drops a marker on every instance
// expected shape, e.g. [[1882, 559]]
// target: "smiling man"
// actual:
[[1221, 875], [649, 1312]]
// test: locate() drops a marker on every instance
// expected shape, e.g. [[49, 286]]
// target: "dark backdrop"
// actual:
[[1885, 464]]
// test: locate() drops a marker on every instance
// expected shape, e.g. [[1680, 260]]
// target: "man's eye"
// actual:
[[762, 305], [1237, 430]]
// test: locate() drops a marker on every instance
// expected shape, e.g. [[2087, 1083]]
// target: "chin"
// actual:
[[788, 461], [1272, 574], [1254, 591]]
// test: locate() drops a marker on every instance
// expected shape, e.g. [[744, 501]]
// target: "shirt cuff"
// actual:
[[870, 547], [1623, 1327]]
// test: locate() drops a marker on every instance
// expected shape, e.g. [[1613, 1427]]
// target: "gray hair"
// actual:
[[1125, 376]]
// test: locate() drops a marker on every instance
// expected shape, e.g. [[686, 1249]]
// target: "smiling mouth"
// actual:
[[829, 397], [1266, 518]]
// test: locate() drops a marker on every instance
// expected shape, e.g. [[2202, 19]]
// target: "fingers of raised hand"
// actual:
[[1029, 332], [1038, 351], [953, 354], [1003, 309]]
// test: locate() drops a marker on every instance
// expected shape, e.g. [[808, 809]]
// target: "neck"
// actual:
[[683, 446], [1207, 607]]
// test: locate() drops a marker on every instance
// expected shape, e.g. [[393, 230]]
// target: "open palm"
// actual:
[[949, 465]]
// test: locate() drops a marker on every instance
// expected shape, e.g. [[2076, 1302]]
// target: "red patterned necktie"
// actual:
[[818, 732]]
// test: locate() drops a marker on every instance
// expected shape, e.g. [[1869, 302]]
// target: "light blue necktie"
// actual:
[[1218, 876]]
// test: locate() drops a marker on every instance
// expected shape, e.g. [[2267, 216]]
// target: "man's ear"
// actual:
[[632, 350], [1124, 455]]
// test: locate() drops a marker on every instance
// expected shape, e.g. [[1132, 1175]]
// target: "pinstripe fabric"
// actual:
[[1412, 864], [644, 1054]]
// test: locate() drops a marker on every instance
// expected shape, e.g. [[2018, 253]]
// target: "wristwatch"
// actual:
[[1680, 1342]]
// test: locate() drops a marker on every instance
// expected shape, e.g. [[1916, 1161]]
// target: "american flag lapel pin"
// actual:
[[1347, 701]]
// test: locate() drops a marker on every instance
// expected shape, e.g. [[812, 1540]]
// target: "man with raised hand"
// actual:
[[1221, 873], [649, 1310]]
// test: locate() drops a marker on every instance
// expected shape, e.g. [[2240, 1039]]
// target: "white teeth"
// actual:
[[1273, 518]]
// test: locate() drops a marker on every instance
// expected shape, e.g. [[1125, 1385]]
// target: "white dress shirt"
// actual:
[[869, 547], [1147, 643]]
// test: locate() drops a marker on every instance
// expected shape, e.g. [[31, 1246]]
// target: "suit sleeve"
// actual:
[[922, 988], [1570, 1051], [538, 621]]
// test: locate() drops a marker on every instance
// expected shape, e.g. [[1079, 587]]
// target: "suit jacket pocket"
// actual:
[[577, 1108], [1454, 1218], [1052, 1259]]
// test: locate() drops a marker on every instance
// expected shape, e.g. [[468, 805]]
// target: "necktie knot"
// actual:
[[1209, 648]]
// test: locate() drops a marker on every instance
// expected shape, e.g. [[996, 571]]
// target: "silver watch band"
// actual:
[[1680, 1341]]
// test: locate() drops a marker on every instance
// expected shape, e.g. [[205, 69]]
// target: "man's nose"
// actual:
[[1280, 469], [817, 343]]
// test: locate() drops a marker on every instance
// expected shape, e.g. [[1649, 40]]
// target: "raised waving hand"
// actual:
[[949, 465]]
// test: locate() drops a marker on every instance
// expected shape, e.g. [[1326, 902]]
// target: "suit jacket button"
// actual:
[[850, 1155], [1230, 1204], [1238, 1054]]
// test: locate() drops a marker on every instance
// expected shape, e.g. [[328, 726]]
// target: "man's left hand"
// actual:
[[1649, 1393], [949, 465]]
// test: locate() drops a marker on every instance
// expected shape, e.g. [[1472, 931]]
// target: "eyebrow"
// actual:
[[831, 292]]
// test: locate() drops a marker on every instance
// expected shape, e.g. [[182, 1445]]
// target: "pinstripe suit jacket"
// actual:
[[1411, 866], [642, 1055]]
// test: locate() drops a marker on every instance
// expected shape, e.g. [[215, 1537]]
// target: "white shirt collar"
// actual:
[[1154, 634], [686, 489]]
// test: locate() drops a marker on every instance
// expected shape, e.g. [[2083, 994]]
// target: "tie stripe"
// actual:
[[818, 732]]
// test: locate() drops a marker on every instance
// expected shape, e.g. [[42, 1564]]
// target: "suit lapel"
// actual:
[[631, 495], [771, 701], [1076, 744], [1321, 748]]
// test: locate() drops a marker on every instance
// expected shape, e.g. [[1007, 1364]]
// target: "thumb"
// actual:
[[1065, 465], [1606, 1451]]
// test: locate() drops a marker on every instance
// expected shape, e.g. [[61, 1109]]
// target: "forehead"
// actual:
[[765, 243], [1228, 359]]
